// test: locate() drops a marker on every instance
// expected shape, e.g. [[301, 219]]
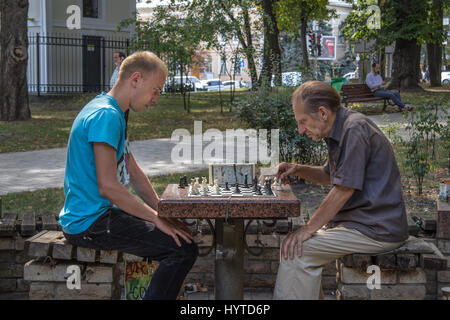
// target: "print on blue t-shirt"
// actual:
[[101, 120]]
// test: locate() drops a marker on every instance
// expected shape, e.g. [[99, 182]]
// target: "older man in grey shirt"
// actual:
[[376, 84], [364, 211]]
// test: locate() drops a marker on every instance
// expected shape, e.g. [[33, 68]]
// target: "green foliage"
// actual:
[[291, 12], [424, 128], [273, 110], [346, 62]]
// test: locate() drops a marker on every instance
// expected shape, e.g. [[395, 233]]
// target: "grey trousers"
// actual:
[[300, 278]]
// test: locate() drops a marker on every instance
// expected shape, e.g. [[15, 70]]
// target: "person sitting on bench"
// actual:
[[376, 84]]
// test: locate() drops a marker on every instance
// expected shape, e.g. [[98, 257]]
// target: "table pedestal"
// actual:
[[229, 264]]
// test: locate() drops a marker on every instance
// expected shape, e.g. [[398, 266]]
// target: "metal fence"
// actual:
[[60, 63]]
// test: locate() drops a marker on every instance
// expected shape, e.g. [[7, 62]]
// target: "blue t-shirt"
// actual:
[[101, 120]]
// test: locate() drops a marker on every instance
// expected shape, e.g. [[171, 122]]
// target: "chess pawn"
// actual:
[[204, 186], [194, 188], [216, 186]]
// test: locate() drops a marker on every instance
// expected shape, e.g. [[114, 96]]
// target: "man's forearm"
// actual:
[[329, 207], [122, 198], [142, 185], [314, 174]]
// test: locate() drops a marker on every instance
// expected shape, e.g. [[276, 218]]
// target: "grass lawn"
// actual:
[[52, 118], [52, 200]]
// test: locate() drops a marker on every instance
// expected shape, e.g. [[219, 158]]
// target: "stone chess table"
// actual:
[[229, 234], [177, 203]]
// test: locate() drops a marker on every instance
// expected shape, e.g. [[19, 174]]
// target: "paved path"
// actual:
[[31, 170]]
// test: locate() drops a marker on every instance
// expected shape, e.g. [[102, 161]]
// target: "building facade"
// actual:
[[71, 43], [225, 65]]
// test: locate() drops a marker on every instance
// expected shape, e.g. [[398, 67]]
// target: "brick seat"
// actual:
[[101, 271], [403, 272]]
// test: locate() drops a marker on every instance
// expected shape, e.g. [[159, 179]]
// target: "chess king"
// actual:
[[364, 211]]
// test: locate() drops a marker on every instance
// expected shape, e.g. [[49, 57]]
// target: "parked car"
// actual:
[[228, 85], [289, 79], [190, 83], [214, 85], [445, 77]]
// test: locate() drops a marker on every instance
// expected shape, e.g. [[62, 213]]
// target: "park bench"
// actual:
[[360, 93]]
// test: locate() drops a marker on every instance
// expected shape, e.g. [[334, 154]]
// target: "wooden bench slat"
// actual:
[[62, 249], [28, 225], [8, 224], [42, 246], [49, 222]]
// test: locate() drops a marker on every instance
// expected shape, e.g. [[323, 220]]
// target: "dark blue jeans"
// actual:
[[394, 96], [118, 230]]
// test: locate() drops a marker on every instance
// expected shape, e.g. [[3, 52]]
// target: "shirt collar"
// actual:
[[336, 131]]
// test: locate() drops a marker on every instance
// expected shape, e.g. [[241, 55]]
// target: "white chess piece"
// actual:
[[277, 185], [196, 186], [216, 186], [194, 189]]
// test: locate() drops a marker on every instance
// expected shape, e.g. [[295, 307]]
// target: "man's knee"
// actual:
[[189, 251]]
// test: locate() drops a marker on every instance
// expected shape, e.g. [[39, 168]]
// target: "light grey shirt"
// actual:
[[361, 157], [373, 80], [114, 77]]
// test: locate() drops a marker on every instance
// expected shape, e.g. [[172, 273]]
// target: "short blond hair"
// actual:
[[145, 62], [314, 94]]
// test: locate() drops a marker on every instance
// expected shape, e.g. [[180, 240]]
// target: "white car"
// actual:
[[445, 77], [228, 85], [191, 82], [214, 85]]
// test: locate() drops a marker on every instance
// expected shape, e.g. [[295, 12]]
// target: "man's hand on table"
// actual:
[[295, 238], [175, 231]]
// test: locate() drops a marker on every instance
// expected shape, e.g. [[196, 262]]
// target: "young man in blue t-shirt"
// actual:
[[99, 211]]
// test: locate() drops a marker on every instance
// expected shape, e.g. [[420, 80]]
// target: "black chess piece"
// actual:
[[268, 186], [181, 185], [255, 184], [236, 189], [185, 181], [226, 186], [245, 182], [258, 191]]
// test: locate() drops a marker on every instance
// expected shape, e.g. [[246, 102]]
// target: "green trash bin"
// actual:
[[338, 82]]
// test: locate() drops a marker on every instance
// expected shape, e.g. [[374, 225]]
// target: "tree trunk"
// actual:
[[406, 66], [272, 34], [249, 48], [304, 45], [13, 60], [434, 49]]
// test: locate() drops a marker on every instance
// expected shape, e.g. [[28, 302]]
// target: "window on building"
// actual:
[[90, 8], [208, 64]]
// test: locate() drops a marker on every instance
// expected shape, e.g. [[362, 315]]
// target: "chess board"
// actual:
[[245, 193]]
